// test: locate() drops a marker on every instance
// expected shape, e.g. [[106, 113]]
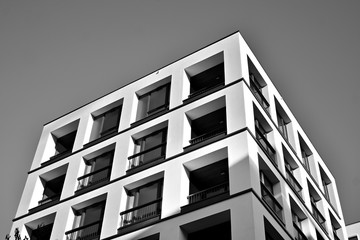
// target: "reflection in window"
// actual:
[[106, 123], [154, 101]]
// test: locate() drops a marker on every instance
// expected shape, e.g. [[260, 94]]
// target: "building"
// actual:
[[353, 231], [203, 148]]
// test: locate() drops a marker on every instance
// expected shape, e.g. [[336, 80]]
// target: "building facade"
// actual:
[[353, 231], [203, 148]]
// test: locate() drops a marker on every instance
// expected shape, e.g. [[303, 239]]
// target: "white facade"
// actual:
[[353, 231], [248, 171]]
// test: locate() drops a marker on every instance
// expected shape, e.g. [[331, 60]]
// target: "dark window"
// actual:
[[267, 194], [106, 123], [149, 148], [305, 154], [152, 237], [97, 170], [65, 143], [52, 189], [207, 80], [42, 232], [154, 101], [209, 181], [143, 203], [262, 130], [219, 231], [353, 238]]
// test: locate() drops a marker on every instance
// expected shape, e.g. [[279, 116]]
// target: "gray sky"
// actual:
[[58, 55]]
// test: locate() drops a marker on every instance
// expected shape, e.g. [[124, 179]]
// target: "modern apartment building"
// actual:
[[203, 148]]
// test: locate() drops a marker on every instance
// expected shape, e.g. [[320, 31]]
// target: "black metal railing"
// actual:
[[258, 95], [138, 158], [208, 193], [46, 199], [294, 184], [299, 235], [95, 177], [271, 202], [318, 217], [265, 145], [205, 89], [87, 232], [141, 213], [217, 131]]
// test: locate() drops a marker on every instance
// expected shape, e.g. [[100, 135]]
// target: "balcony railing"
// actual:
[[208, 193], [294, 184], [138, 158], [203, 137], [87, 232], [318, 217], [47, 199], [258, 95], [265, 145], [299, 235], [95, 177], [271, 202], [141, 213], [205, 89]]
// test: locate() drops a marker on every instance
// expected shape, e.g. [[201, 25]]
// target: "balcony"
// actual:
[[318, 217], [142, 213], [298, 234], [87, 232], [265, 145], [294, 184], [96, 177], [271, 202], [149, 155], [209, 193]]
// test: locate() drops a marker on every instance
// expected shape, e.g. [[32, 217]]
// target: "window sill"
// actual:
[[150, 117], [100, 139]]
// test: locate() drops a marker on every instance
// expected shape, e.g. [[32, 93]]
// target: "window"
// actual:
[[262, 129], [65, 143], [257, 84], [314, 198], [149, 148], [208, 126], [209, 181], [335, 226], [97, 170], [270, 231], [268, 181], [143, 203], [152, 237], [106, 123], [213, 227], [297, 217], [154, 101], [206, 75], [41, 229], [283, 120], [87, 222], [305, 154], [326, 182], [52, 189], [290, 168], [353, 238]]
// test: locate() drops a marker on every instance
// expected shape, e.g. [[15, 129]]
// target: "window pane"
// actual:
[[148, 194], [157, 99], [111, 120]]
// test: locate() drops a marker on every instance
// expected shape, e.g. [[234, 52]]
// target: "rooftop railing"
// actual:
[[208, 193], [141, 213]]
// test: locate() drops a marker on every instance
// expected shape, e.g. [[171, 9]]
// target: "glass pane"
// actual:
[[111, 120], [157, 99], [148, 194], [93, 214], [153, 140]]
